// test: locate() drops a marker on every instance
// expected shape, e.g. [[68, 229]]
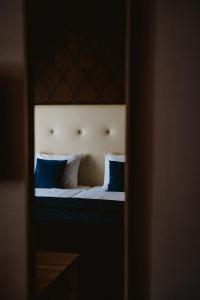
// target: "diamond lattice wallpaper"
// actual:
[[78, 52]]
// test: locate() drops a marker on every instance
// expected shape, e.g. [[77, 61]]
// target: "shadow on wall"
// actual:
[[11, 90]]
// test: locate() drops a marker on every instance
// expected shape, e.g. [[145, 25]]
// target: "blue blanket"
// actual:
[[77, 210]]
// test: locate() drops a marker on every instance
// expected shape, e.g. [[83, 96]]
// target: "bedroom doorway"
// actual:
[[77, 86], [82, 211]]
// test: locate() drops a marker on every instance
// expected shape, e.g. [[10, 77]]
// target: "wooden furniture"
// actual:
[[56, 275]]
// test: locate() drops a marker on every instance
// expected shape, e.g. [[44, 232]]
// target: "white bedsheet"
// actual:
[[62, 193], [97, 192]]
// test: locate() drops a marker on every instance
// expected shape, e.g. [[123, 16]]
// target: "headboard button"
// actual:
[[108, 131], [80, 131], [51, 131]]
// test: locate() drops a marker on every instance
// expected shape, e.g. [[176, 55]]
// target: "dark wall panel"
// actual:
[[164, 162], [14, 249], [78, 51], [175, 264]]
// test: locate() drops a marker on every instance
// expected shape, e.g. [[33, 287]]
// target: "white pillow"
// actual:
[[112, 157], [70, 175]]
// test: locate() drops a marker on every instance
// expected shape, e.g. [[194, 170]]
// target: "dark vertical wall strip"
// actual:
[[31, 183], [14, 139], [78, 51], [175, 242], [13, 153], [140, 106], [164, 161]]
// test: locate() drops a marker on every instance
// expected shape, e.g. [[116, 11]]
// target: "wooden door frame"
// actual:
[[136, 243], [30, 205], [139, 143]]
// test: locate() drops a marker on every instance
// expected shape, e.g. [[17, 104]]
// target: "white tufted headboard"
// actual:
[[90, 129]]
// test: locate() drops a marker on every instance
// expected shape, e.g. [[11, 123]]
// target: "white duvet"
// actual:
[[97, 192]]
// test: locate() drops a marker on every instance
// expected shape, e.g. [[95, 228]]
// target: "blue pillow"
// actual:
[[48, 173], [116, 180]]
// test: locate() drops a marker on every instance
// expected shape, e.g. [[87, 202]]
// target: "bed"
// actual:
[[87, 219]]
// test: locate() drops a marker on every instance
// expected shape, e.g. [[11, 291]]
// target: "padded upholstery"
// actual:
[[90, 129]]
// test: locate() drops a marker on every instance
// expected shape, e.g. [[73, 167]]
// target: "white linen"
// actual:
[[99, 192], [59, 193]]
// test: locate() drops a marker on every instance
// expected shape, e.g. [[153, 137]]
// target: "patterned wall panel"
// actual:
[[79, 60]]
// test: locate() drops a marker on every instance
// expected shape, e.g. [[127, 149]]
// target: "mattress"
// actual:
[[97, 192]]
